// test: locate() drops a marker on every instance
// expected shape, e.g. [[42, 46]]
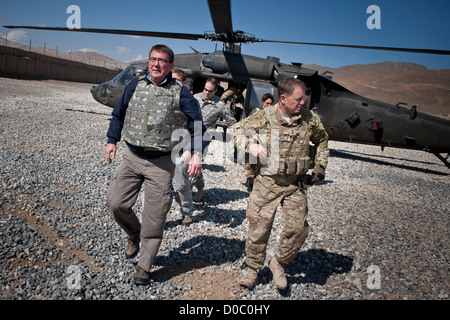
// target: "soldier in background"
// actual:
[[182, 181], [180, 75], [282, 179], [212, 108], [234, 99], [267, 100]]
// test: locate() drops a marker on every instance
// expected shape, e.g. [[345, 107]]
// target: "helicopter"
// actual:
[[346, 116]]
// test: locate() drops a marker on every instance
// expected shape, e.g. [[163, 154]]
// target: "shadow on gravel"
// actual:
[[312, 266], [198, 252], [91, 112], [213, 168], [215, 196], [226, 218], [369, 158]]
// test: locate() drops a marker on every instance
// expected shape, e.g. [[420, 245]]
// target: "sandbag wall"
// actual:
[[18, 63]]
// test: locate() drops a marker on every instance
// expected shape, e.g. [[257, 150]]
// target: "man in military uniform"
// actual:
[[212, 108], [182, 180], [278, 137], [150, 110], [234, 99]]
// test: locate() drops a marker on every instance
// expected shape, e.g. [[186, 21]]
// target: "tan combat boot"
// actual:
[[132, 247], [141, 277], [198, 195], [279, 278], [249, 279]]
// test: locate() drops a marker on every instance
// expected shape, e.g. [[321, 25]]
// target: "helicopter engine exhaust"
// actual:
[[222, 62]]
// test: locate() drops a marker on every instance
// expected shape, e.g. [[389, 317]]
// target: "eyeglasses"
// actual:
[[160, 60], [209, 90], [298, 99]]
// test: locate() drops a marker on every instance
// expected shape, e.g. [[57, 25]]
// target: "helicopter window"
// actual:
[[119, 75], [126, 77]]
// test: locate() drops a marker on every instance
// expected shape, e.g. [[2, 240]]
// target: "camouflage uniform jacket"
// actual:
[[212, 110], [290, 157]]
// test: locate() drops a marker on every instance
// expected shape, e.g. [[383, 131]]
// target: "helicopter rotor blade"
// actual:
[[221, 16], [427, 51], [172, 35]]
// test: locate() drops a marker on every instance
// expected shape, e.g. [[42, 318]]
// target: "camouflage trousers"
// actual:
[[262, 206]]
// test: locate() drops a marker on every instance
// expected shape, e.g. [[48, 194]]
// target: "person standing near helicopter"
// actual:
[[150, 110], [212, 108], [278, 137]]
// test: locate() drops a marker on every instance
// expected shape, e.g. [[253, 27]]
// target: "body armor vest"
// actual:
[[152, 116], [288, 144]]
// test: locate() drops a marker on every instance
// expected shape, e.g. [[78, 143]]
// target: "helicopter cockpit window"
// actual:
[[126, 77], [119, 75]]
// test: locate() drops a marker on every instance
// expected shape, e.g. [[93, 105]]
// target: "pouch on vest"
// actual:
[[291, 165]]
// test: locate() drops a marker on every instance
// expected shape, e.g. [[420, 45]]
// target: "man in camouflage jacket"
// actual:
[[277, 142], [212, 109]]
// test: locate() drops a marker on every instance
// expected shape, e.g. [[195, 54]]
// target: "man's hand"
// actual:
[[257, 150], [195, 166], [318, 174], [185, 157], [110, 152]]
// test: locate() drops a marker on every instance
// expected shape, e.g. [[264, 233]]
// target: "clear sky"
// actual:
[[411, 24]]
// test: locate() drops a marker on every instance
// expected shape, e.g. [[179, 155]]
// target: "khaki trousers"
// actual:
[[261, 209], [156, 177], [182, 184]]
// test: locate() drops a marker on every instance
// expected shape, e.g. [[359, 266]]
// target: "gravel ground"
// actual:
[[379, 222]]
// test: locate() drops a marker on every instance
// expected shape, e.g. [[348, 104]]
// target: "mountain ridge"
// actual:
[[394, 82]]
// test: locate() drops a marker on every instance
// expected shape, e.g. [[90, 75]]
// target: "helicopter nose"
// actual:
[[96, 93]]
